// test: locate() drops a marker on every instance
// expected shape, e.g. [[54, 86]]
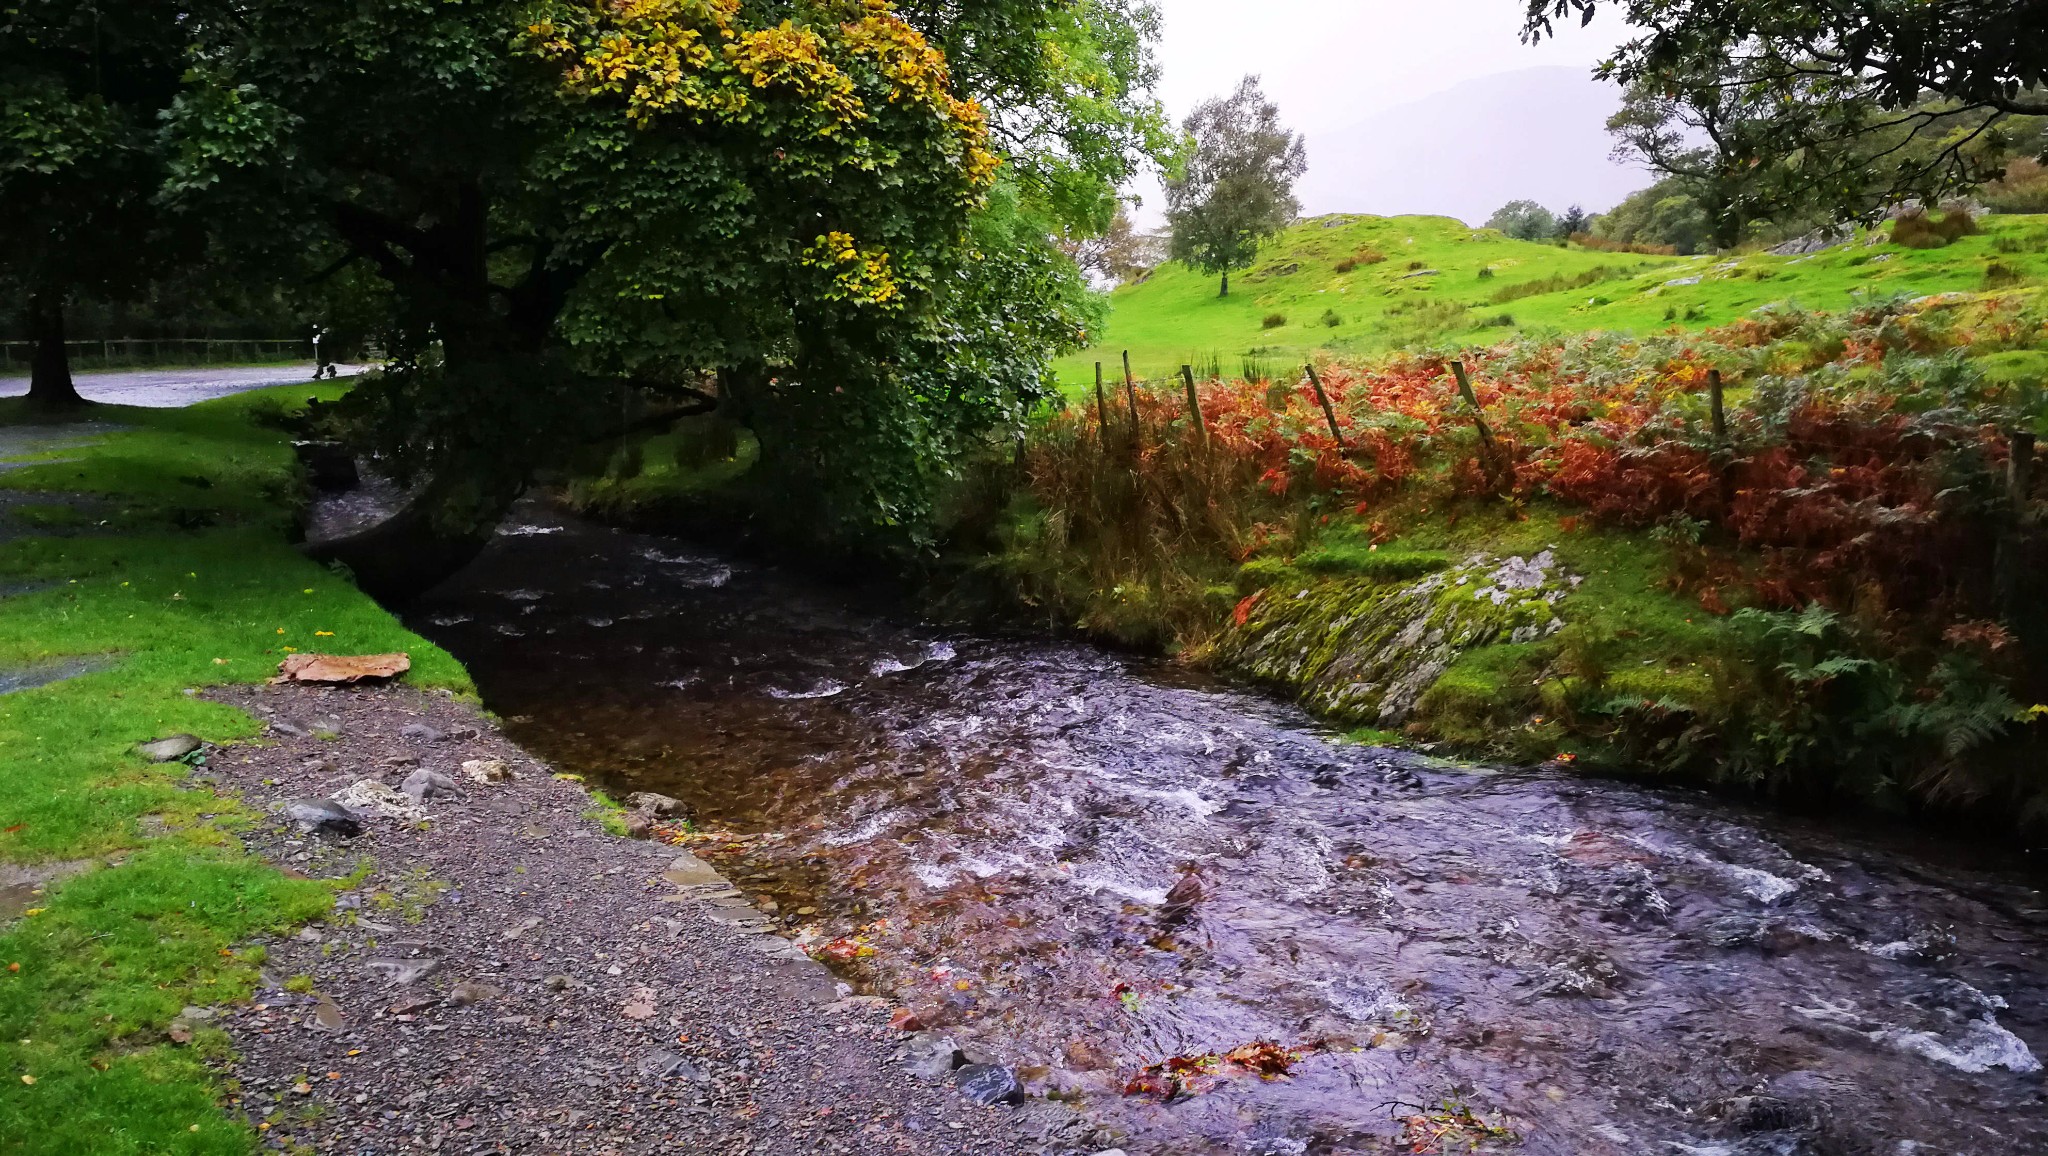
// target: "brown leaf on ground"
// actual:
[[341, 668]]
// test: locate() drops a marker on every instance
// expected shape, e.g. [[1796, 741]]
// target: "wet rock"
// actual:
[[931, 1055], [986, 1084], [330, 467], [637, 824], [1181, 898], [420, 733], [424, 784], [486, 770], [651, 803], [168, 748], [323, 817]]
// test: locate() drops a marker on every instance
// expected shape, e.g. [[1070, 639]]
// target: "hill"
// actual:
[[1358, 285]]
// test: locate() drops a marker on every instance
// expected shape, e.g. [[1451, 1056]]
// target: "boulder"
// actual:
[[987, 1084], [486, 770], [930, 1055], [168, 748], [424, 784], [323, 817], [652, 803]]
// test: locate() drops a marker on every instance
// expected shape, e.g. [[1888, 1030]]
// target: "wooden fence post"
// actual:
[[1720, 413], [1101, 406], [1323, 399], [1187, 377], [2019, 467], [1131, 395], [1492, 451]]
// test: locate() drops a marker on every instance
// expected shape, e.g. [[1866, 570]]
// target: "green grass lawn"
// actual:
[[195, 586], [1441, 281]]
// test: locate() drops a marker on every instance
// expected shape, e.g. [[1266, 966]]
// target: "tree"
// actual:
[[1662, 214], [1235, 189], [1851, 107], [1574, 221], [81, 88], [1524, 221], [593, 218], [1119, 254]]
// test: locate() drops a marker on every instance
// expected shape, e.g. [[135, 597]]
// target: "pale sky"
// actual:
[[1332, 64]]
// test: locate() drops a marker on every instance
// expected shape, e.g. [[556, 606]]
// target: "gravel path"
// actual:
[[167, 388], [506, 977]]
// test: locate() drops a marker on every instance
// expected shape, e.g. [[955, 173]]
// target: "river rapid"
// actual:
[[1086, 864]]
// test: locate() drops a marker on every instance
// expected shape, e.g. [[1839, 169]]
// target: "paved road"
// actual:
[[168, 388]]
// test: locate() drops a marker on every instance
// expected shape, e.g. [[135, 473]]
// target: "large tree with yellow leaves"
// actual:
[[586, 215]]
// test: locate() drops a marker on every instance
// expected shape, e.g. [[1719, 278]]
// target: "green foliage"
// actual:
[[1235, 188], [1525, 221], [1272, 321]]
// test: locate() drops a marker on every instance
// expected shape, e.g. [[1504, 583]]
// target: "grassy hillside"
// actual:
[[1438, 280]]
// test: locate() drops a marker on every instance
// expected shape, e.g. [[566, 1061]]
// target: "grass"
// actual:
[[1446, 282], [199, 589]]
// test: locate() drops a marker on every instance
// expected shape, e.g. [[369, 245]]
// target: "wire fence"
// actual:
[[134, 352]]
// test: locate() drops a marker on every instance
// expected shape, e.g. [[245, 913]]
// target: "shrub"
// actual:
[[1486, 272], [1500, 321], [1412, 265], [1347, 264], [1331, 319], [1555, 283], [1998, 275], [1589, 241], [1273, 321], [1916, 230], [1369, 256], [2023, 189]]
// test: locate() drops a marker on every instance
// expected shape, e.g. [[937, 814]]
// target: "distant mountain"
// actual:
[[1537, 133]]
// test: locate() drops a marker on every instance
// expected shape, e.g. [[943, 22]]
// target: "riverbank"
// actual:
[[147, 908]]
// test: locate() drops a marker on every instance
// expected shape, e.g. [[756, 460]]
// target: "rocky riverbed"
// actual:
[[503, 975]]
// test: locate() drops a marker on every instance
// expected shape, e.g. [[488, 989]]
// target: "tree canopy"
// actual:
[[1844, 107], [81, 89], [1524, 221], [589, 216], [1236, 188]]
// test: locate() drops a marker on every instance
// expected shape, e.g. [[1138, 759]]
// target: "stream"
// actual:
[[1087, 864]]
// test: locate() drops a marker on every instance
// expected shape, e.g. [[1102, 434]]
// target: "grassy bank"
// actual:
[[1351, 286], [175, 575], [1836, 599]]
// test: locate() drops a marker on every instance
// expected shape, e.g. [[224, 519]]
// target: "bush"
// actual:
[[2023, 189], [1347, 264], [1916, 230], [1331, 319], [1555, 283], [1998, 275], [1589, 241], [1500, 321], [1486, 272], [1412, 265], [1273, 321], [1369, 256]]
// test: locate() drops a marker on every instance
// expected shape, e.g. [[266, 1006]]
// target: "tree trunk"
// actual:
[[1226, 284], [49, 384]]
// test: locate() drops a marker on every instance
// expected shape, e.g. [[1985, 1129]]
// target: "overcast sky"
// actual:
[[1333, 64]]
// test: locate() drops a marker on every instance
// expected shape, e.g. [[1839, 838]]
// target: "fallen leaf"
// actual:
[[28, 1079], [341, 668]]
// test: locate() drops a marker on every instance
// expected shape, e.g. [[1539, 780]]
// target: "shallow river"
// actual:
[[1088, 865]]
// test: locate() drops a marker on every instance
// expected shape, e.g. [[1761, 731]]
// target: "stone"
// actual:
[[690, 871], [652, 803], [327, 1015], [290, 730], [486, 770], [558, 983], [402, 971], [930, 1055], [469, 992], [987, 1084], [420, 733], [665, 1065], [168, 748], [424, 784], [637, 824], [323, 817], [370, 797]]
